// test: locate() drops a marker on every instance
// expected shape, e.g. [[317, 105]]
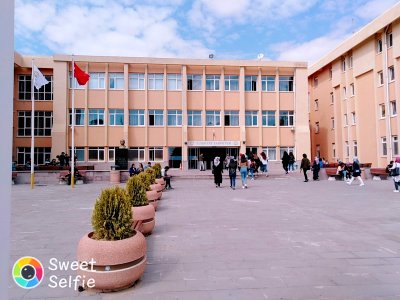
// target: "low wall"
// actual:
[[365, 173]]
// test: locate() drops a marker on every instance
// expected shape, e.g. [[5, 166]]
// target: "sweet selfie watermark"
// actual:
[[28, 272]]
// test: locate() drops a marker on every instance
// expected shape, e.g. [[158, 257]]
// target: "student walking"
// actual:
[[264, 163], [292, 160], [395, 173], [243, 170], [201, 159], [316, 168], [356, 172], [232, 166], [285, 161], [217, 171], [305, 166]]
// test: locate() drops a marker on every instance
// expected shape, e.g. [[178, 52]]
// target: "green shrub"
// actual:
[[112, 215], [152, 174], [136, 191], [145, 179], [157, 168]]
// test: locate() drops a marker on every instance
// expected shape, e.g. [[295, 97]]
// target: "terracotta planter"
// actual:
[[156, 187], [144, 218], [118, 264], [161, 181], [152, 197], [115, 176]]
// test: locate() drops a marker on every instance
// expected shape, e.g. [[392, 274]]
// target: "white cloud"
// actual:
[[99, 27], [374, 8]]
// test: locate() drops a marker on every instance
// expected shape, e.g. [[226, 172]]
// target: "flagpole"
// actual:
[[73, 126], [32, 129]]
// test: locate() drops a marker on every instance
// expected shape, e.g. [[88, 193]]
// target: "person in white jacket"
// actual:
[[395, 173], [264, 163]]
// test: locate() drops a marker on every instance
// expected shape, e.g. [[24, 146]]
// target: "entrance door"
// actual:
[[193, 154]]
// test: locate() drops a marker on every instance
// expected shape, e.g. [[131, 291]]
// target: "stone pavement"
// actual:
[[279, 239]]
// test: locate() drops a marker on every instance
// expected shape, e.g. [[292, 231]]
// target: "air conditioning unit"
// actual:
[[292, 129]]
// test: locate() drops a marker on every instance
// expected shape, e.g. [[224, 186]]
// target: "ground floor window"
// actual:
[[96, 153], [270, 152], [395, 145], [287, 149], [111, 153], [79, 152], [250, 151], [41, 155], [156, 154], [174, 157], [136, 154]]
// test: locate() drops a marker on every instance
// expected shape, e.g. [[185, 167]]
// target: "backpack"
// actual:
[[395, 172]]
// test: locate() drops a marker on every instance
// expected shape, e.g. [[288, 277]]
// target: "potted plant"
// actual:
[[152, 195], [143, 212], [159, 178], [118, 251], [153, 185]]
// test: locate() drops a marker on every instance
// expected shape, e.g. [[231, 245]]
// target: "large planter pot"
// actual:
[[144, 218], [152, 197], [115, 176], [161, 181], [118, 264], [156, 187]]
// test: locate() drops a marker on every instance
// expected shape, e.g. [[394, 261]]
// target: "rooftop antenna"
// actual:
[[260, 56]]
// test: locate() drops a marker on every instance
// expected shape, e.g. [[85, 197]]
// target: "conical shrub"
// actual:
[[112, 215], [157, 169], [145, 179], [152, 174], [136, 191]]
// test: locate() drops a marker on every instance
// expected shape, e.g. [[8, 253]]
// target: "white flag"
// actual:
[[38, 79]]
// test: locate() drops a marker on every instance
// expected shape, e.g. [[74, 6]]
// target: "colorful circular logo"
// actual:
[[28, 272]]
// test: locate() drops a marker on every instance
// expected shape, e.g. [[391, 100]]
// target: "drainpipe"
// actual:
[[386, 94]]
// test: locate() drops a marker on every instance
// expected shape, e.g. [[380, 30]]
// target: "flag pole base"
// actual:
[[32, 180]]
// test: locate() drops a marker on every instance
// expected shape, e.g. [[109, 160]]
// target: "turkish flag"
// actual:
[[80, 75]]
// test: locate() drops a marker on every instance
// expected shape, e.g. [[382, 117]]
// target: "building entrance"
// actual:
[[209, 155]]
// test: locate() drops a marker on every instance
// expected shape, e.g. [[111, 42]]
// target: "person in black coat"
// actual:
[[217, 171], [356, 172], [316, 168], [232, 166], [285, 161]]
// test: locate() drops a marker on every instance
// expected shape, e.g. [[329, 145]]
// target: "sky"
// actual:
[[286, 30]]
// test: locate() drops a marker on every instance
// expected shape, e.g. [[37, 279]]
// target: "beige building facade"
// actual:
[[166, 110], [354, 93]]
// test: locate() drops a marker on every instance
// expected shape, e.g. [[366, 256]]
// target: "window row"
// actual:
[[395, 145], [134, 154], [155, 81], [174, 117], [43, 123], [45, 93]]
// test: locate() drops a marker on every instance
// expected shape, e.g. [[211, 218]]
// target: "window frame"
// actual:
[[391, 74], [154, 149], [253, 116], [384, 150], [289, 82], [140, 153], [212, 82], [97, 112], [25, 152], [290, 117], [393, 108], [192, 116], [194, 82], [116, 78], [140, 115], [266, 81], [250, 83], [231, 80], [155, 113], [267, 115], [136, 81], [43, 123], [176, 114], [97, 81], [80, 112], [114, 115], [174, 82], [25, 82], [231, 118], [216, 118], [155, 81], [98, 150]]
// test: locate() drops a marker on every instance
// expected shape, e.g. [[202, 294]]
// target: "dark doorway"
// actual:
[[209, 155]]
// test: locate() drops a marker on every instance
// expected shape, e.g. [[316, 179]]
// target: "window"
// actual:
[[174, 82], [380, 78], [116, 117], [343, 65], [156, 81], [136, 154], [97, 81], [350, 62], [136, 117], [231, 83], [212, 82], [270, 152], [391, 73], [194, 82], [213, 118], [389, 39], [268, 83], [379, 46], [79, 153], [43, 123], [268, 118], [352, 89], [332, 98], [136, 81], [287, 149], [41, 154], [382, 110], [286, 118], [395, 145], [116, 81], [45, 93], [111, 153], [384, 145], [156, 117], [79, 117], [344, 92], [330, 73], [194, 117], [76, 86], [286, 83], [250, 83], [346, 121], [333, 123], [334, 150], [251, 118], [96, 153], [156, 154], [393, 108], [316, 127], [316, 104], [355, 148], [347, 148], [316, 82], [231, 118], [96, 117], [353, 118], [174, 118]]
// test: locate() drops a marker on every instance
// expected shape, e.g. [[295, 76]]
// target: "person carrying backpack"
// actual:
[[356, 172], [395, 173], [232, 166], [305, 166]]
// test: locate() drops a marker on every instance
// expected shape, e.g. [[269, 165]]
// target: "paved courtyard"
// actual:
[[279, 239]]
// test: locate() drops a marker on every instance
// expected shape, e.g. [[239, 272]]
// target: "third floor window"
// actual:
[[250, 83], [194, 82], [45, 93], [212, 82]]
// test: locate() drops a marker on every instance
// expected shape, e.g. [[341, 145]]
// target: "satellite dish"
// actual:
[[211, 56], [260, 56]]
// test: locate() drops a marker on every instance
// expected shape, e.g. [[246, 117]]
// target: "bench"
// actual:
[[379, 173], [63, 177], [332, 174], [14, 177]]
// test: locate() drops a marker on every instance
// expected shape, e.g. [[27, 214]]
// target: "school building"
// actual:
[[353, 93], [166, 110]]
